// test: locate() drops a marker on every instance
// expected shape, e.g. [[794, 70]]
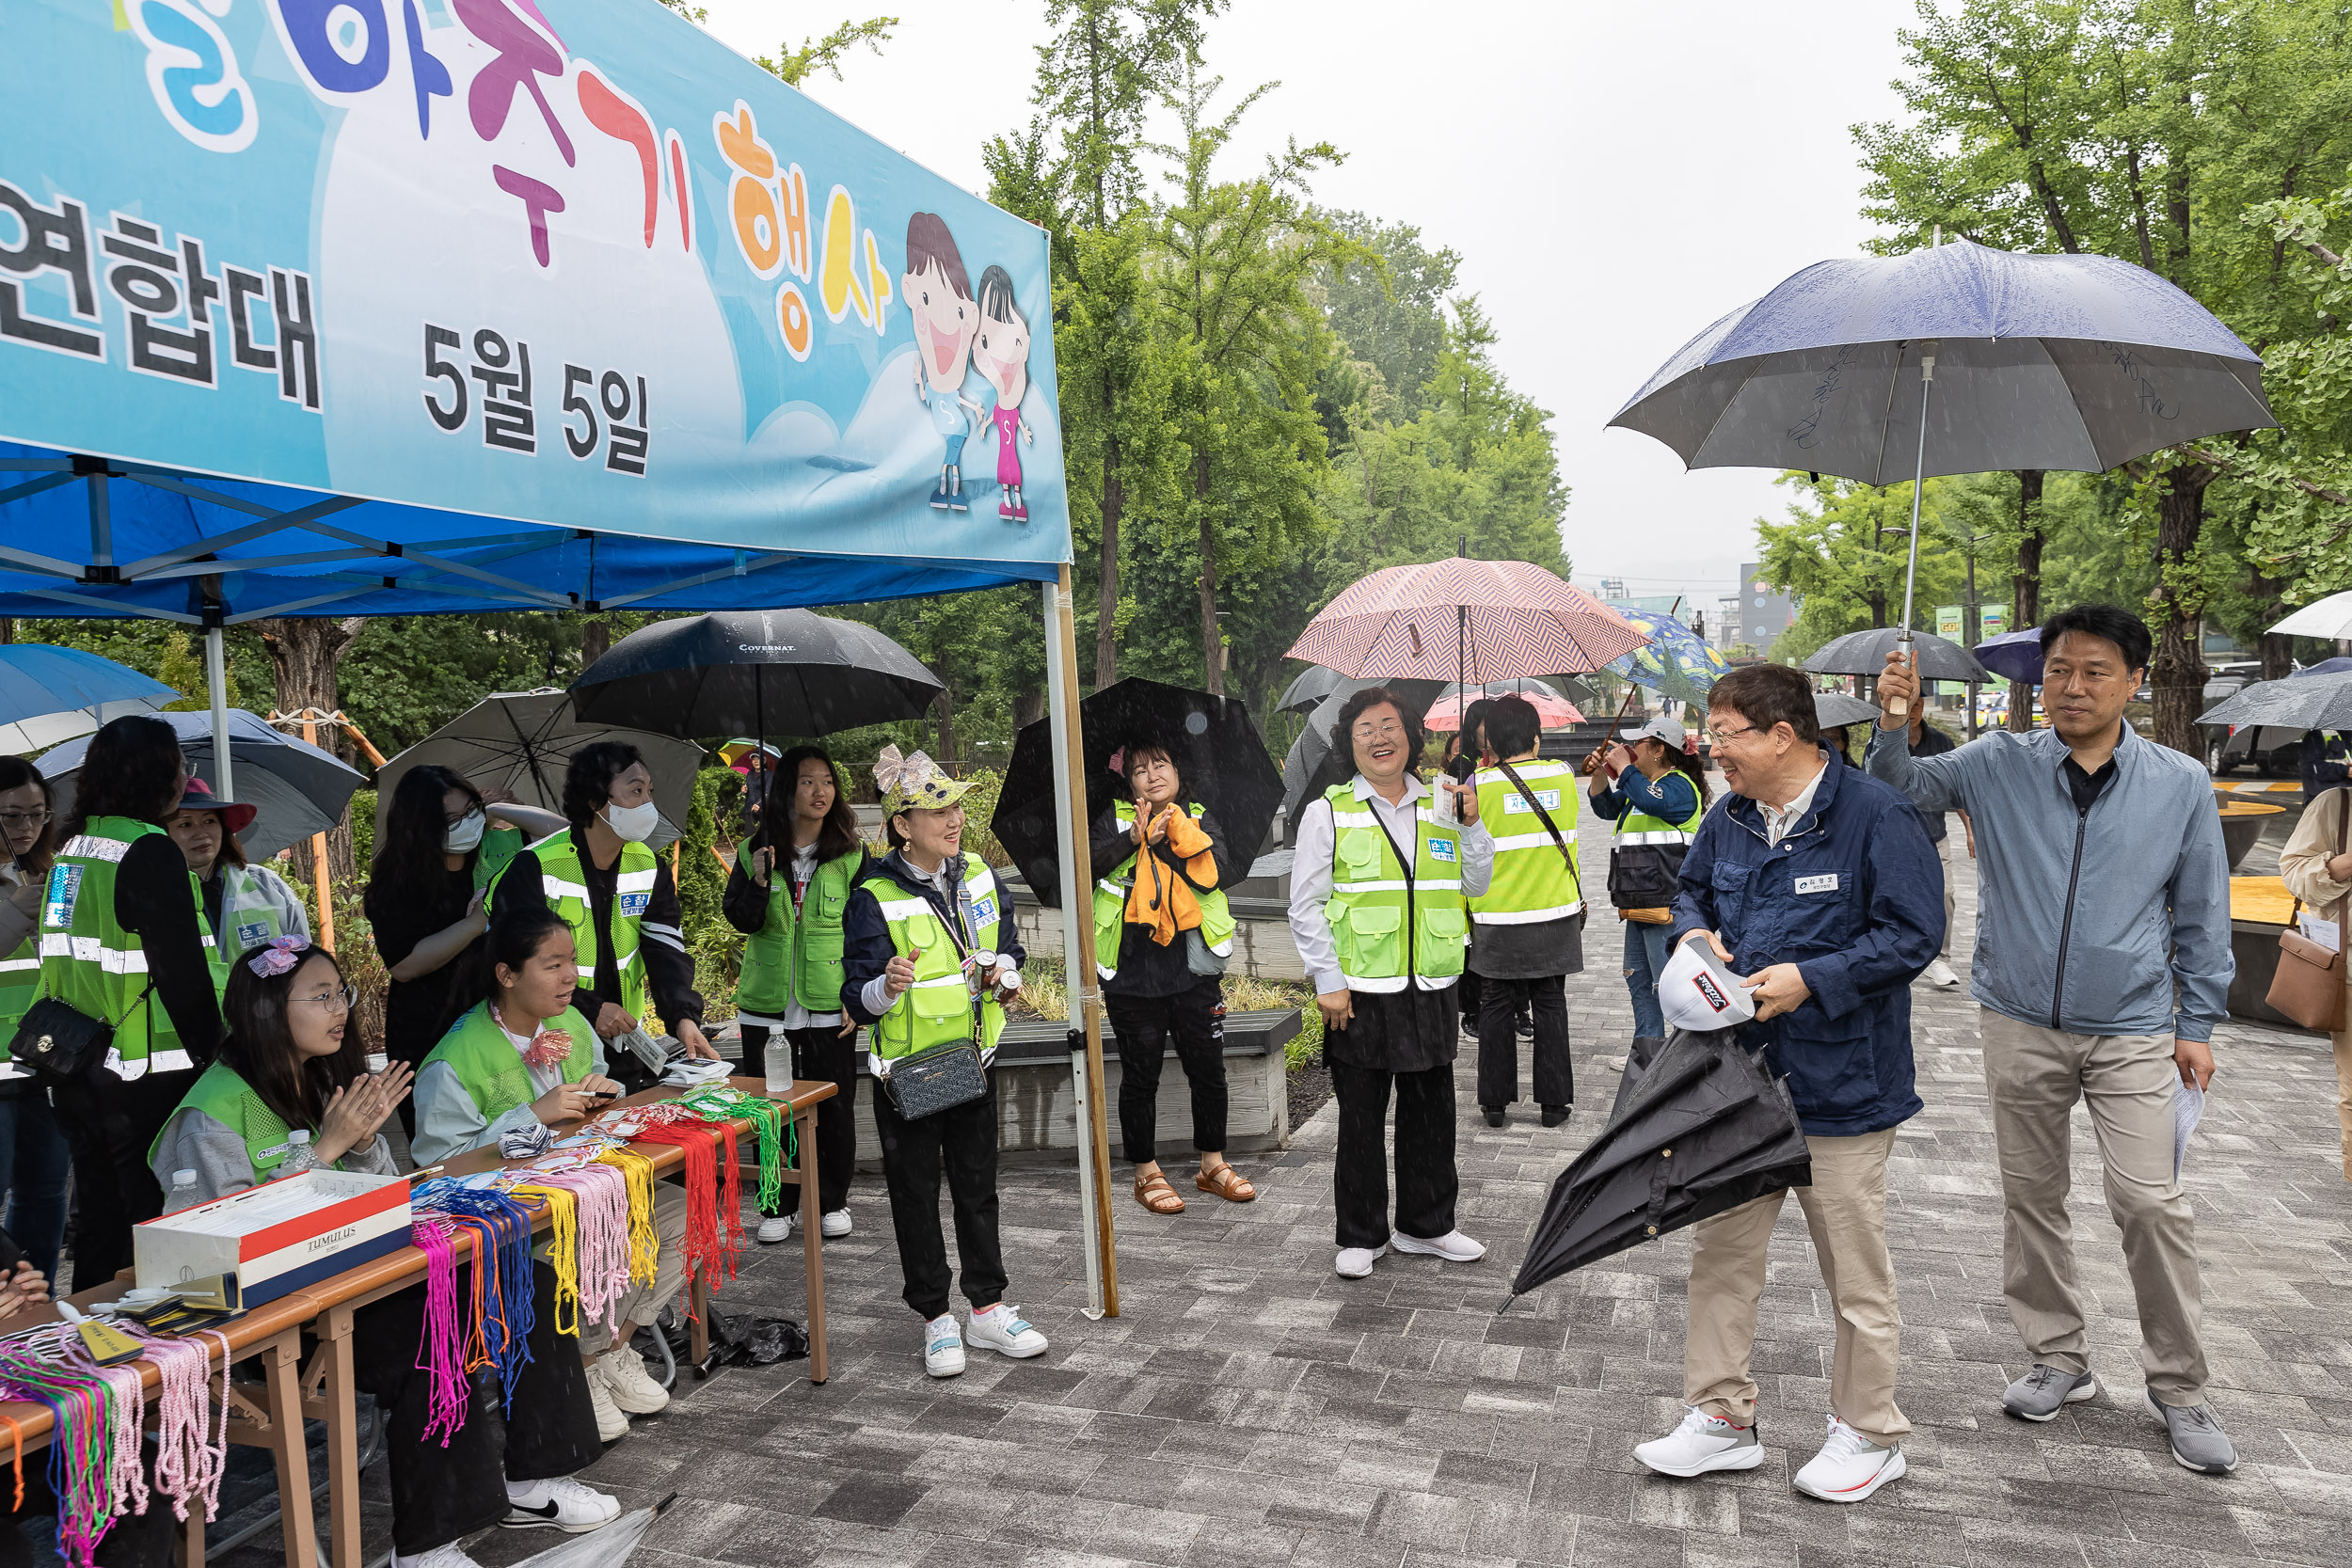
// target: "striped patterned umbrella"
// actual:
[[1466, 619]]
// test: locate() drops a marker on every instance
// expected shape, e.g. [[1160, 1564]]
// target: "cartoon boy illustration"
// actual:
[[1001, 354], [938, 296]]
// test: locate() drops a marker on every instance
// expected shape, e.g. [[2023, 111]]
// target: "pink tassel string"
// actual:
[[442, 1353], [189, 1460]]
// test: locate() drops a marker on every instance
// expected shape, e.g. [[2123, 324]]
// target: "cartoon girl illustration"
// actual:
[[1000, 352]]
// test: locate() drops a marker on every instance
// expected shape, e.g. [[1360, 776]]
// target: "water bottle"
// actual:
[[777, 1058], [378, 1062], [183, 1192]]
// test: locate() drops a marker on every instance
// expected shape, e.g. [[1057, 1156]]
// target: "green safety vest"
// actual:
[[564, 882], [937, 1008], [1532, 881], [497, 846], [228, 1099], [1370, 904], [1635, 827], [492, 1070], [798, 955], [247, 919], [1110, 903], [96, 967], [20, 982]]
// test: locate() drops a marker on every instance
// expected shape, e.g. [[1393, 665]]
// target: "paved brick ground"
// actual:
[[1249, 1408]]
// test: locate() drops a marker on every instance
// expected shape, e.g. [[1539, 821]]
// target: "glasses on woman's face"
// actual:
[[340, 1000], [17, 821]]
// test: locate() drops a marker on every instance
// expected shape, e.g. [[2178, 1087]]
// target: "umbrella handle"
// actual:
[[1900, 707]]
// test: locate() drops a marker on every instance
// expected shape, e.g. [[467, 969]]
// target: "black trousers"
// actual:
[[831, 1055], [441, 1493], [109, 1124], [962, 1145], [1499, 1002], [1143, 1026], [1426, 1182]]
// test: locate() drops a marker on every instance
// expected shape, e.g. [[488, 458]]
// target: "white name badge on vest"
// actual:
[[984, 910], [252, 933], [1442, 849], [634, 903], [65, 891], [1515, 805], [1827, 883]]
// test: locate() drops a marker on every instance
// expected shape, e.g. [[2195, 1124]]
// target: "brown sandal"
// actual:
[[1154, 1194], [1226, 1184]]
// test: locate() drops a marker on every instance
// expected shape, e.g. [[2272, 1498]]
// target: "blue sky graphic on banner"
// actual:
[[572, 262]]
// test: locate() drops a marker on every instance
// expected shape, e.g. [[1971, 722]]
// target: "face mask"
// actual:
[[464, 832], [635, 824]]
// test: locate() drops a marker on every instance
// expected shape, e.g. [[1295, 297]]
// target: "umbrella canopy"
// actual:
[[2073, 361], [1310, 767], [1554, 712], [2013, 656], [50, 694], [517, 744], [1675, 662], [1464, 620], [2338, 666], [1864, 653], [297, 789], [2312, 703], [1217, 748], [1307, 693], [1704, 1128], [2329, 617], [737, 753], [772, 671], [1834, 711]]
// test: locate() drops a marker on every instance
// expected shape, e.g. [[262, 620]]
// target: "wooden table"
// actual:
[[330, 1392], [271, 1333]]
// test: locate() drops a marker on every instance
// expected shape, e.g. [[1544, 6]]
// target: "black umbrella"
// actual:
[[1864, 653], [790, 671], [1312, 689], [1702, 1129], [1216, 748]]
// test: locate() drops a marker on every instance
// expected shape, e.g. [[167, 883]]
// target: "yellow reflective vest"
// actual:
[[1110, 904], [1533, 881], [939, 1009], [1387, 931]]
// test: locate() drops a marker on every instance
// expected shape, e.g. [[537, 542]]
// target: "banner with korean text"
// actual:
[[569, 261]]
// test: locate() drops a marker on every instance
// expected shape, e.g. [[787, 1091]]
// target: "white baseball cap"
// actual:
[[1697, 992], [1661, 728]]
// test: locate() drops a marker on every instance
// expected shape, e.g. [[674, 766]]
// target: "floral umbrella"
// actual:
[[1675, 662]]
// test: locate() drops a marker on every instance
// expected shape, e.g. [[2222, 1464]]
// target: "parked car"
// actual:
[[2273, 751]]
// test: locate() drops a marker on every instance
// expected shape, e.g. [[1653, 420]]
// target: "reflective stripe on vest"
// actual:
[[1110, 904], [221, 1094], [1532, 881], [92, 964], [798, 958], [937, 1008], [1369, 909]]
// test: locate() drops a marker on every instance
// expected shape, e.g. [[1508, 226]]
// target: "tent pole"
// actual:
[[217, 686], [1077, 946], [318, 851]]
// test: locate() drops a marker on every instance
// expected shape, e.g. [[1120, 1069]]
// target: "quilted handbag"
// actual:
[[937, 1079]]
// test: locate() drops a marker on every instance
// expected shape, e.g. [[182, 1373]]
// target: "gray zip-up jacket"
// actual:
[[2086, 920]]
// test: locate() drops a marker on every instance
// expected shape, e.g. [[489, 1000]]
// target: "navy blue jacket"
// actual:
[[1869, 917]]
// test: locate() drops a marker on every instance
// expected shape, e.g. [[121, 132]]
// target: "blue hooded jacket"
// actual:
[[1852, 896]]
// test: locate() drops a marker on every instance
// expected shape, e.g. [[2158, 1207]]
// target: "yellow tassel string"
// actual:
[[645, 1237], [563, 1249]]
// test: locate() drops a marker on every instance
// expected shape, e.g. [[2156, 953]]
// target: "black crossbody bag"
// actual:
[[58, 1043], [944, 1076]]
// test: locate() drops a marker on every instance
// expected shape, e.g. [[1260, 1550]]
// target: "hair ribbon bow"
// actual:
[[277, 955]]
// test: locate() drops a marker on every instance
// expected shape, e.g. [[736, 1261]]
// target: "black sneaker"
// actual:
[[1555, 1115], [1494, 1115]]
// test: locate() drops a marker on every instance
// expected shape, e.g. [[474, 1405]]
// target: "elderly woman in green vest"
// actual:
[[619, 900], [524, 1060], [244, 905], [931, 952], [1379, 875], [1162, 933], [123, 941], [788, 890], [288, 1093], [34, 1159]]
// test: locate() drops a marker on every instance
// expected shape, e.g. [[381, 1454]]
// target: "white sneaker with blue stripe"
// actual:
[[1001, 1329], [943, 1346]]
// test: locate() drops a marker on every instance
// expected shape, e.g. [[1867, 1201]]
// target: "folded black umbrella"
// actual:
[[1217, 748], [1701, 1129]]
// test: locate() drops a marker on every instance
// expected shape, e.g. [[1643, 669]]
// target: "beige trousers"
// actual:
[[2034, 1077], [643, 1303], [1845, 1209]]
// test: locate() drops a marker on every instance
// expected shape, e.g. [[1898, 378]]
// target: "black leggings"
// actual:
[[831, 1055]]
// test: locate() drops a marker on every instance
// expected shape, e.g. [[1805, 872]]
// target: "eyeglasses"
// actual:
[[1719, 737], [1370, 732], [23, 818], [341, 1001]]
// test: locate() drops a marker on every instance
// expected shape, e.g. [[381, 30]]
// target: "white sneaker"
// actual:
[[1002, 1329], [1700, 1444], [1355, 1263], [450, 1556], [1849, 1467], [1938, 972], [835, 1223], [1453, 1247], [943, 1346], [612, 1426], [561, 1503], [632, 1388], [774, 1228]]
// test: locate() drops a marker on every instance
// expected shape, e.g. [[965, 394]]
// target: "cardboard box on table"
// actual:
[[279, 1237]]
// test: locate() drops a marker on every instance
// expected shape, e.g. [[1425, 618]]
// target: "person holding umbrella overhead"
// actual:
[[1162, 932], [244, 905], [1378, 884], [788, 892], [34, 1159], [619, 900]]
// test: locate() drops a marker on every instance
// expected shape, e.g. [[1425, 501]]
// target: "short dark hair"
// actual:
[[929, 244], [15, 773], [996, 298], [1512, 725], [1416, 733], [588, 782], [131, 769], [516, 937], [1769, 694], [2111, 623], [1472, 719]]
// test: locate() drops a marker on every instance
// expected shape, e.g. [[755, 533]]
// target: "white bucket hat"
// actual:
[[1697, 992]]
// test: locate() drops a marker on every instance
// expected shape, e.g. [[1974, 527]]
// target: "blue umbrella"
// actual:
[[297, 788], [49, 694], [1675, 662], [2337, 666], [2013, 656], [2076, 362]]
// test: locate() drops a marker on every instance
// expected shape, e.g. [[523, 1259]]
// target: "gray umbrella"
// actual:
[[1307, 693], [1834, 710], [1864, 653], [519, 743], [1312, 767], [2304, 702], [297, 789]]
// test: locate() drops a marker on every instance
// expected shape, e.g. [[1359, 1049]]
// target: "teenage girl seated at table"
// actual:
[[523, 1058], [290, 1060]]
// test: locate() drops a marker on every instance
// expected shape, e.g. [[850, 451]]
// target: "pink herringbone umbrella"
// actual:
[[1467, 620]]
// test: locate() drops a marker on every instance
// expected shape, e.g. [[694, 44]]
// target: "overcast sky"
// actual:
[[1614, 177]]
